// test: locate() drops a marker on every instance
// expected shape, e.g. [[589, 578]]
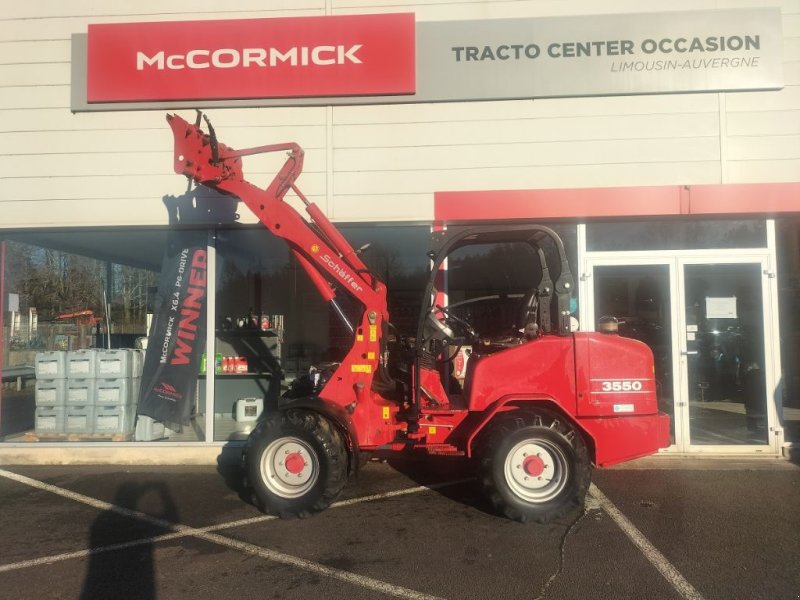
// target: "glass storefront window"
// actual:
[[494, 279], [667, 234], [271, 324], [76, 310], [788, 241]]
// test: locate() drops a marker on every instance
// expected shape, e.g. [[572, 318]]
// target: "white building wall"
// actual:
[[367, 163]]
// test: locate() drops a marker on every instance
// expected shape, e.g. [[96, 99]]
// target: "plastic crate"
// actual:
[[81, 364], [113, 363], [49, 419], [51, 392], [137, 362], [148, 430], [117, 391], [79, 419], [114, 419], [81, 391], [51, 365]]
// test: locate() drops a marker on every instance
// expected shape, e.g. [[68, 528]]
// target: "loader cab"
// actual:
[[490, 289]]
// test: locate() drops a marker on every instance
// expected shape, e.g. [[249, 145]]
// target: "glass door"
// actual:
[[723, 355], [706, 321], [641, 297]]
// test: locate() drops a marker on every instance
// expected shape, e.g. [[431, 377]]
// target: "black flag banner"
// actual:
[[178, 332]]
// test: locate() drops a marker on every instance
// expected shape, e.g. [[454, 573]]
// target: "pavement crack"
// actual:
[[543, 592]]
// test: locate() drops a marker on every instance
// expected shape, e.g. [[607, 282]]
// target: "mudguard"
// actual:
[[336, 414]]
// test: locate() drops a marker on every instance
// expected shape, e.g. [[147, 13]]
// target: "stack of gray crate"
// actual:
[[89, 391]]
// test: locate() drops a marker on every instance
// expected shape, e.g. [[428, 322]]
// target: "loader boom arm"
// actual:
[[321, 250], [319, 247]]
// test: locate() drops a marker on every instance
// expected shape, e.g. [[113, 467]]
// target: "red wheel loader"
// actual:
[[535, 409]]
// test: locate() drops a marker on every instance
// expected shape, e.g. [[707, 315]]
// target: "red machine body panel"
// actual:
[[602, 392], [617, 439], [541, 367]]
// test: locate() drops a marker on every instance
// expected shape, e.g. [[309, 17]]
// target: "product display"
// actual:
[[87, 392]]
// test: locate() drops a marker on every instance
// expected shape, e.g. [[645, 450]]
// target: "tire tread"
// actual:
[[333, 459], [497, 491]]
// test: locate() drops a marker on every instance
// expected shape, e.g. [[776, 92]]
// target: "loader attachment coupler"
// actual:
[[202, 158]]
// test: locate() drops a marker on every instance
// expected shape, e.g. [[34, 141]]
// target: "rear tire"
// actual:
[[534, 467], [296, 463]]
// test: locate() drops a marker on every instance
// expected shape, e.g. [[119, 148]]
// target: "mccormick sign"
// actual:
[[253, 58]]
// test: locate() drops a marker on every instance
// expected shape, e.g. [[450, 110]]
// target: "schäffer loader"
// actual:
[[537, 407]]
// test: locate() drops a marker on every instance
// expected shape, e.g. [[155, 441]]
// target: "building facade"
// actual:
[[677, 195]]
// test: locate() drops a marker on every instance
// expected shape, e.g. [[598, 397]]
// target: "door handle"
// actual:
[[688, 352]]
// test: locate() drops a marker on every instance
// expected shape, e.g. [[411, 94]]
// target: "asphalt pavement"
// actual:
[[661, 528]]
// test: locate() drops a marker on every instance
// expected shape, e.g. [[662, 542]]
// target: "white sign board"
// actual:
[[721, 308]]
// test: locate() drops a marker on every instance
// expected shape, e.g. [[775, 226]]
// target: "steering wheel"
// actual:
[[445, 330], [463, 324]]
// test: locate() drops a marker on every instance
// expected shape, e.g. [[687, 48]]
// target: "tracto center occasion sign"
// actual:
[[720, 50]]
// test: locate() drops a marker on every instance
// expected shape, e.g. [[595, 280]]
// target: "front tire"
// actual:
[[534, 467], [296, 463]]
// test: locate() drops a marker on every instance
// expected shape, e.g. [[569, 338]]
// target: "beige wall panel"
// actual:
[[225, 118], [180, 9], [35, 74], [495, 9], [76, 165], [786, 99], [776, 122], [772, 147], [526, 130], [526, 109], [63, 28], [90, 141], [262, 117], [54, 119], [43, 51], [791, 73], [528, 155], [35, 97], [791, 46], [422, 182], [764, 171], [86, 212]]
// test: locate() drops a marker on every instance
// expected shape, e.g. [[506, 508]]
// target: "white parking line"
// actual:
[[596, 499], [206, 533], [658, 560]]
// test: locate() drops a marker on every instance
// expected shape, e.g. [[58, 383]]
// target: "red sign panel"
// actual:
[[354, 55]]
